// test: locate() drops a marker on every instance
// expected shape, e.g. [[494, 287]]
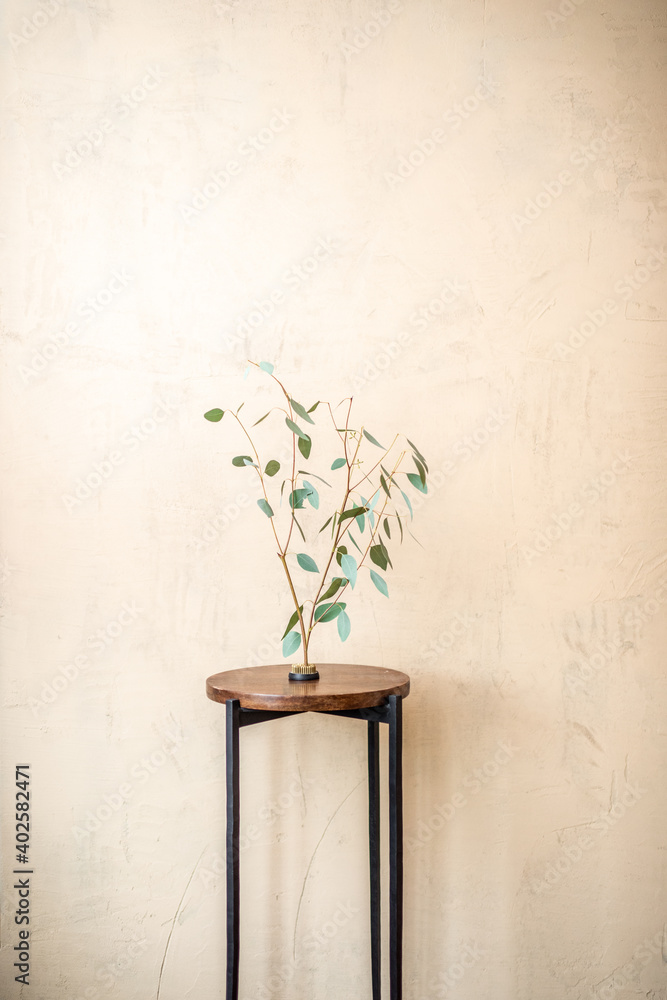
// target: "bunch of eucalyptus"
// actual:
[[366, 519]]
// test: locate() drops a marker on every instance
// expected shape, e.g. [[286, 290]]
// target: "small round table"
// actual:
[[372, 694]]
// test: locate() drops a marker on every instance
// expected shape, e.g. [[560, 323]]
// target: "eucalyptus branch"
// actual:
[[350, 512]]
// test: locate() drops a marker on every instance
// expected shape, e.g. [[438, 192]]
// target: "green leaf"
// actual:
[[261, 418], [418, 453], [302, 411], [352, 512], [267, 367], [305, 444], [386, 527], [400, 525], [351, 537], [369, 437], [305, 562], [338, 463], [324, 525], [291, 642], [378, 556], [385, 553], [373, 501], [344, 626], [333, 587], [293, 620], [313, 497], [296, 430], [383, 484], [340, 552], [380, 583], [417, 483], [407, 500], [272, 467], [348, 564], [300, 528], [214, 415], [369, 512], [304, 472], [327, 612], [265, 506], [312, 408], [297, 498], [420, 469], [240, 461], [361, 522]]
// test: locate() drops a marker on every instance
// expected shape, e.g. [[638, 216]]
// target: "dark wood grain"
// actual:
[[341, 686]]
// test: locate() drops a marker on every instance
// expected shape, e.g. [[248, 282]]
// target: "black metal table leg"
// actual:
[[374, 850], [395, 847], [390, 712], [233, 836]]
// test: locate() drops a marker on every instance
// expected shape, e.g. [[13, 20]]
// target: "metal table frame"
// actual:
[[391, 713]]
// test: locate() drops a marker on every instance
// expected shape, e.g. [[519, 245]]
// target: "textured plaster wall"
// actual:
[[485, 186]]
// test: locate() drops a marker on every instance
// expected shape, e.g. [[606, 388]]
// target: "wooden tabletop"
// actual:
[[341, 686]]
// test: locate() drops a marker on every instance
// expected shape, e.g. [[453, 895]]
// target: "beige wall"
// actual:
[[486, 186]]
